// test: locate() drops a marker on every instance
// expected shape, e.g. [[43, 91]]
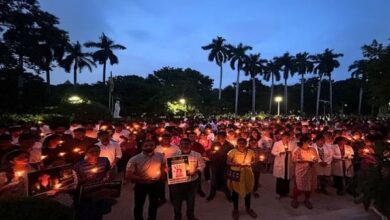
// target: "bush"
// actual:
[[84, 112], [34, 209]]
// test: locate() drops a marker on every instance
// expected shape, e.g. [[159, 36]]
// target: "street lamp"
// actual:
[[278, 99], [182, 101]]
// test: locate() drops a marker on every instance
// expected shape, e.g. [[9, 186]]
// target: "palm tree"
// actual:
[[105, 52], [304, 64], [327, 62], [219, 53], [271, 72], [286, 63], [79, 60], [254, 66], [359, 71], [237, 58]]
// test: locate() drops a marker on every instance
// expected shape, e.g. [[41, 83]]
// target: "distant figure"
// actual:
[[117, 109]]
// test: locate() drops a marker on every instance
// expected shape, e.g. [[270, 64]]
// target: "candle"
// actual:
[[57, 186], [247, 162], [261, 157], [60, 142], [42, 134], [216, 148], [313, 157], [61, 154], [159, 138], [43, 157], [19, 173], [76, 150], [366, 150], [94, 170]]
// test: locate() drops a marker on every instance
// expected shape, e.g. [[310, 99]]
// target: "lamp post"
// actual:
[[278, 99], [183, 102]]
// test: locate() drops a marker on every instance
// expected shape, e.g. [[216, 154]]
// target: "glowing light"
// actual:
[[94, 170], [278, 99], [19, 173], [43, 157], [75, 99], [216, 148], [61, 154], [57, 186], [182, 101], [366, 150], [261, 157]]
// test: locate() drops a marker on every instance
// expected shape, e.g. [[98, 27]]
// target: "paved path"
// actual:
[[332, 207]]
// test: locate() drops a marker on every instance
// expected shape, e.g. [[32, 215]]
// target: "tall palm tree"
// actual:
[[79, 60], [304, 64], [219, 53], [271, 72], [254, 66], [359, 71], [327, 62], [237, 59], [105, 52], [286, 63]]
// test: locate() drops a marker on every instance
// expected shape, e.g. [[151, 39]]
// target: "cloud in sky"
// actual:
[[161, 33]]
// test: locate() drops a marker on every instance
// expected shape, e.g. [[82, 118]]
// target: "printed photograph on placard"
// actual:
[[177, 169]]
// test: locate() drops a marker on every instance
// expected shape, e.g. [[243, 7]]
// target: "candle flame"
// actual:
[[61, 154], [366, 150], [262, 157], [43, 157], [19, 173], [76, 150], [94, 170], [216, 148], [57, 186]]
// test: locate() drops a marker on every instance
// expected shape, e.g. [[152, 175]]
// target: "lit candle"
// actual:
[[57, 186], [216, 148], [43, 157], [76, 150], [19, 173], [261, 157], [158, 174], [42, 134], [94, 170], [135, 132], [159, 138], [61, 154], [313, 157], [366, 150]]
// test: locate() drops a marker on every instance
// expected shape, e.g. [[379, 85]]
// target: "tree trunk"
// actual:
[[48, 80], [253, 95], [75, 74], [220, 83], [20, 82], [302, 93], [285, 96], [271, 94], [360, 100], [330, 95], [318, 96], [104, 71], [237, 90]]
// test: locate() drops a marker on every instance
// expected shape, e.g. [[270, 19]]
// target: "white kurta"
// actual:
[[337, 163], [279, 163], [328, 158]]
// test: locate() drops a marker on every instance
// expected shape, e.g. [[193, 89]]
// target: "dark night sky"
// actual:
[[161, 33]]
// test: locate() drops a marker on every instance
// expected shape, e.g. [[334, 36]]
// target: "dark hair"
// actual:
[[222, 133], [26, 136], [12, 154], [83, 130], [339, 139], [101, 133], [5, 137], [185, 140], [319, 137], [304, 139], [241, 140], [166, 135]]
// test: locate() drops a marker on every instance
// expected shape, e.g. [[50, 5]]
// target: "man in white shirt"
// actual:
[[109, 149], [323, 167], [120, 134]]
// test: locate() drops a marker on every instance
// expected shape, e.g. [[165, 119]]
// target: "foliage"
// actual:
[[34, 209]]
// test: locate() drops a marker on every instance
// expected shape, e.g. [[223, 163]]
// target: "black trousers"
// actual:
[[282, 187], [184, 192], [256, 174], [161, 190], [141, 191], [218, 181], [322, 182], [235, 198], [91, 209]]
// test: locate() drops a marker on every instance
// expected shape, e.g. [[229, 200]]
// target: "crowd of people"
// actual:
[[230, 154]]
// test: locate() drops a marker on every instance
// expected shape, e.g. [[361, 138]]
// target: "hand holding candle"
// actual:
[[261, 157]]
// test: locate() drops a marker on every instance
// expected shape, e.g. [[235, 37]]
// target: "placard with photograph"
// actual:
[[57, 178], [178, 170]]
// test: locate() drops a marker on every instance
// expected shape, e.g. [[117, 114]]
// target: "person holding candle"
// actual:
[[256, 166], [241, 159], [283, 166], [93, 169], [304, 158], [367, 154], [186, 191], [53, 152], [78, 145], [342, 167], [197, 147], [145, 170], [219, 167], [109, 149], [323, 167]]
